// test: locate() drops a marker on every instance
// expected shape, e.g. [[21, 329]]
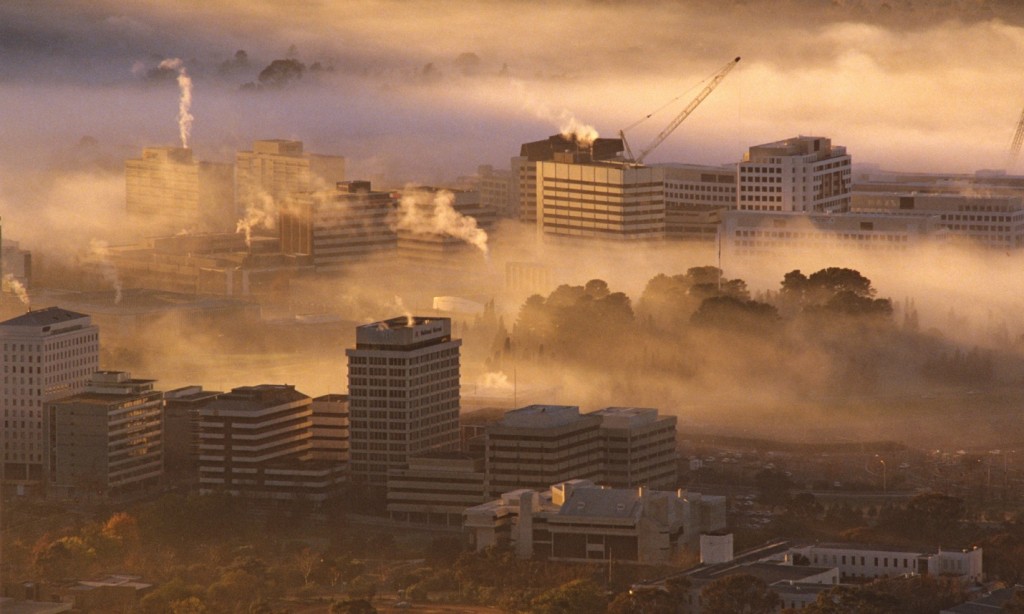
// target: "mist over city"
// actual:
[[598, 306]]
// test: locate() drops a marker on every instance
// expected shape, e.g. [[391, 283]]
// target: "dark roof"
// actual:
[[261, 396], [601, 503], [603, 149], [42, 317]]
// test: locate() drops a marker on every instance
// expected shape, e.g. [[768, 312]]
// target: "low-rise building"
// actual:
[[436, 488], [982, 219], [865, 562], [582, 522], [754, 233]]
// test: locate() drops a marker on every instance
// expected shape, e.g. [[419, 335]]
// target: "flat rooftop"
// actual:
[[541, 416]]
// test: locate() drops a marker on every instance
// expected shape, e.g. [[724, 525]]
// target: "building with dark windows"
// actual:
[[539, 445], [108, 440], [339, 226], [403, 380], [640, 447], [256, 442]]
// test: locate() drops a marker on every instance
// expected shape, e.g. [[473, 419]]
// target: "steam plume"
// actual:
[[409, 319], [572, 128], [422, 213], [260, 213], [17, 288], [185, 102], [101, 251], [568, 125]]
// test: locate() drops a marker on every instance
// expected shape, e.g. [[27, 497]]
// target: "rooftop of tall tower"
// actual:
[[44, 317], [280, 147], [600, 149], [403, 332]]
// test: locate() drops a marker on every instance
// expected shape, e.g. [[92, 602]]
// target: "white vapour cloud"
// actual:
[[100, 250], [260, 212], [422, 212], [17, 288], [185, 102], [568, 125]]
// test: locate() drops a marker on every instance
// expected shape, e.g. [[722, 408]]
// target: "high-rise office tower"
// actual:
[[278, 168], [403, 380], [524, 166], [578, 196], [166, 189], [48, 354]]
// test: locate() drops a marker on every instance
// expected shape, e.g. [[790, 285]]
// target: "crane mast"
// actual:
[[664, 134]]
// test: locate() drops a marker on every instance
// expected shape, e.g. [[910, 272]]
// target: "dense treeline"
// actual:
[[822, 333]]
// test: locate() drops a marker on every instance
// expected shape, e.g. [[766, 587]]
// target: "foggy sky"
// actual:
[[917, 85]]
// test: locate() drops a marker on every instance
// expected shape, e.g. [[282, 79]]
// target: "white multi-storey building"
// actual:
[[403, 378], [865, 562], [801, 174], [990, 220], [48, 354], [752, 233]]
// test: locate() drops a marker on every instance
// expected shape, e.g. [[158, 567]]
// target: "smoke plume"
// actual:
[[423, 213], [568, 125], [409, 319], [185, 102], [100, 250], [584, 134], [260, 213], [17, 288]]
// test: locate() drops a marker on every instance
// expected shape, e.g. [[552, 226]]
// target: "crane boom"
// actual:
[[685, 112], [1018, 140]]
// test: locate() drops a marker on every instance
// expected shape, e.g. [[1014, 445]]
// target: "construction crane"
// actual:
[[1018, 139], [710, 87]]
